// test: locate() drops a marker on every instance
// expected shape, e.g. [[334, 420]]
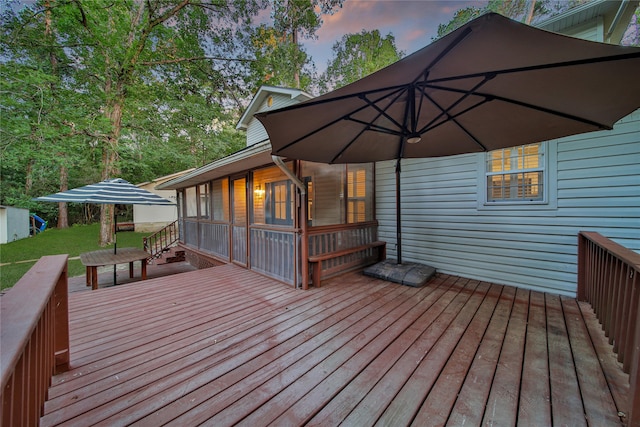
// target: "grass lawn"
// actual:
[[19, 256]]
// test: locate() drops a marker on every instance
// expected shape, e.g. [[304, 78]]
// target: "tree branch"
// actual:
[[195, 58]]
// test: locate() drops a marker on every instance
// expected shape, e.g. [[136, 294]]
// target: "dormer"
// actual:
[[267, 98]]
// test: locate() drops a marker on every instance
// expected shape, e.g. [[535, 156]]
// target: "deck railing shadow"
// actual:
[[35, 339], [608, 280]]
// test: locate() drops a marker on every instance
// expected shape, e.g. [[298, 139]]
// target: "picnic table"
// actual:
[[95, 259]]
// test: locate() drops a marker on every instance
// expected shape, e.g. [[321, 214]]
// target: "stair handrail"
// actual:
[[161, 240]]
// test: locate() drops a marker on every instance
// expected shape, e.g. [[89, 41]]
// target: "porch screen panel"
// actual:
[[205, 201], [190, 236], [326, 193], [214, 238], [359, 193], [272, 197], [191, 217], [239, 221], [220, 199], [273, 253]]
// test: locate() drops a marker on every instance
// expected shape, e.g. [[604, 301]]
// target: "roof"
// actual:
[[165, 178], [248, 158], [262, 94]]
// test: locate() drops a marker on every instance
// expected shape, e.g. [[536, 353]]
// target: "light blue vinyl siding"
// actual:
[[255, 131], [598, 189]]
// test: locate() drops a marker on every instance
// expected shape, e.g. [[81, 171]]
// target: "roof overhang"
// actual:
[[248, 158]]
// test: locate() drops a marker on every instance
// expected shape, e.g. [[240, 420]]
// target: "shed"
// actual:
[[149, 219], [14, 224]]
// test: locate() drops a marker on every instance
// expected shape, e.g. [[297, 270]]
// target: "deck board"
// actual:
[[226, 346]]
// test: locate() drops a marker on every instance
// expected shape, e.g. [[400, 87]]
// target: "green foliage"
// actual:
[[132, 89], [280, 59], [20, 255], [514, 9], [358, 55]]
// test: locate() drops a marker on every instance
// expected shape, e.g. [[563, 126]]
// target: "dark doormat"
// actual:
[[407, 273]]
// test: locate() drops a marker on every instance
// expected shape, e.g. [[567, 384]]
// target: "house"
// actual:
[[14, 223], [459, 215], [150, 218]]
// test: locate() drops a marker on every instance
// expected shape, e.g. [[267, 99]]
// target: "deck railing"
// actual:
[[35, 339], [608, 280], [161, 240]]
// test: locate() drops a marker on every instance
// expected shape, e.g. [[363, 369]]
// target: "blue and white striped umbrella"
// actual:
[[115, 191]]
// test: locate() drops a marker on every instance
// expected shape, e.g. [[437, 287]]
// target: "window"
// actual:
[[516, 174]]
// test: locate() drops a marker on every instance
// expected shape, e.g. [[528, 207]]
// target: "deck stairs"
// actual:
[[162, 245]]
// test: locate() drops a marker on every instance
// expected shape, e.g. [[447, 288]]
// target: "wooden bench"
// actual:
[[316, 260]]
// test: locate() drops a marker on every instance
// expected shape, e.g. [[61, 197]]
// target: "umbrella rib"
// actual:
[[445, 52], [620, 57], [445, 111], [491, 97], [453, 118], [368, 126]]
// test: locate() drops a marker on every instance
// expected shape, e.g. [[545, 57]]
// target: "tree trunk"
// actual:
[[28, 182], [532, 5], [63, 213]]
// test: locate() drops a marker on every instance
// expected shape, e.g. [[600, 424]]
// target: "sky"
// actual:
[[413, 23]]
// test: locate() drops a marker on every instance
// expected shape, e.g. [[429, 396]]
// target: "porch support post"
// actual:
[[304, 244]]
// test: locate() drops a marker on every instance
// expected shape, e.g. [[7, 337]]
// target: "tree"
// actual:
[[123, 63], [280, 57], [523, 10], [358, 55]]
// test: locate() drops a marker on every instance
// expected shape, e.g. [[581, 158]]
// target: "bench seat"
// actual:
[[316, 260]]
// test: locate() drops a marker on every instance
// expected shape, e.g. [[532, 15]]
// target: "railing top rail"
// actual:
[[625, 254], [21, 308], [320, 229]]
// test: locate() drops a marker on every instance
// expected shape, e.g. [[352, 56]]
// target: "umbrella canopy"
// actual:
[[115, 191], [493, 83]]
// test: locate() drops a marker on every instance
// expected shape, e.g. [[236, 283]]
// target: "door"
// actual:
[[239, 221]]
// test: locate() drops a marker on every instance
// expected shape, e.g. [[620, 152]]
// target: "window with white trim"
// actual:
[[516, 174]]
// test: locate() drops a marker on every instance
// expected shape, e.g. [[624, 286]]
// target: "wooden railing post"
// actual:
[[61, 321], [582, 268]]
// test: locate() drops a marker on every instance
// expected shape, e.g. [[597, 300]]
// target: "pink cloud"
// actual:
[[412, 23]]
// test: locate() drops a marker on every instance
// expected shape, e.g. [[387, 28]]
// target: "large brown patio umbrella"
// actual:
[[493, 83]]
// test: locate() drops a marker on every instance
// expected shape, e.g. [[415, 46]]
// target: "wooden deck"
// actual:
[[226, 346]]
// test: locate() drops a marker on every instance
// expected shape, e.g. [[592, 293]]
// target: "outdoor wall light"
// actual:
[[414, 138], [259, 192]]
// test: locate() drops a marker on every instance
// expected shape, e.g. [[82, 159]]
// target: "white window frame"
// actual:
[[549, 188]]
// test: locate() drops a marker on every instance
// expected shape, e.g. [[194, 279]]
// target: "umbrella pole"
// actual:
[[398, 214], [115, 241]]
